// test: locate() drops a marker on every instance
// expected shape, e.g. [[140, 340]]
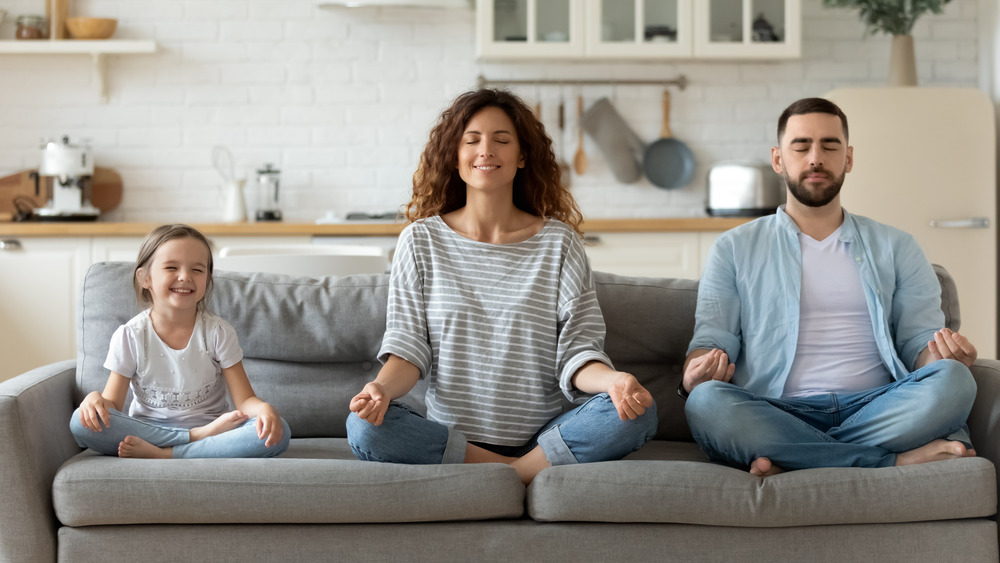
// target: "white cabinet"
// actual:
[[638, 29], [39, 280], [668, 255]]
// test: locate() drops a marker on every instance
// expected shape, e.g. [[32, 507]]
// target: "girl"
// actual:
[[179, 362], [491, 299]]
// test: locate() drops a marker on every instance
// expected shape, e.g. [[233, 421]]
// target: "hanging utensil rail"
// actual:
[[681, 82]]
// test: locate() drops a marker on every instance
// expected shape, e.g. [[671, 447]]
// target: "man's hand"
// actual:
[[371, 403], [629, 397], [711, 365], [950, 345]]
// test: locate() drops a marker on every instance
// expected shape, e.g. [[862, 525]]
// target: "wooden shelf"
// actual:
[[97, 49]]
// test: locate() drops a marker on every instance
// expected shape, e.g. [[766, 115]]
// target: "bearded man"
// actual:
[[819, 338]]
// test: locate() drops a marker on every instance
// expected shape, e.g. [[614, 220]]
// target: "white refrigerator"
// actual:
[[925, 162]]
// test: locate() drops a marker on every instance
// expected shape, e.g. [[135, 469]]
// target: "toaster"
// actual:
[[747, 189]]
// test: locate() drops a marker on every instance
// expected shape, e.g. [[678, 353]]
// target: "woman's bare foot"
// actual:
[[937, 450], [135, 447], [224, 423], [762, 467]]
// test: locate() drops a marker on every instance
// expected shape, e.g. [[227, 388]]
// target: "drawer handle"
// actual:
[[10, 244]]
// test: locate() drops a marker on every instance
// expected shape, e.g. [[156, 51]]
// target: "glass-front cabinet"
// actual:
[[529, 28], [638, 29], [748, 28]]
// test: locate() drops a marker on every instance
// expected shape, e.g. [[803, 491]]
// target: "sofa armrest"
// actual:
[[35, 408]]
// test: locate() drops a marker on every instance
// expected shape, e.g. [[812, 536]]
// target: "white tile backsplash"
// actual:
[[342, 100]]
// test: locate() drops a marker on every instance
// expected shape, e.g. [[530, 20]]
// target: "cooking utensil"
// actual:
[[622, 148], [580, 158], [564, 169], [668, 162], [105, 190]]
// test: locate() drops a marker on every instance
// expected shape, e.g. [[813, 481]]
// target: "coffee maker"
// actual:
[[70, 168], [268, 205]]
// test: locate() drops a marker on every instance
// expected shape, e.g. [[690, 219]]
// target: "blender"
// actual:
[[268, 181]]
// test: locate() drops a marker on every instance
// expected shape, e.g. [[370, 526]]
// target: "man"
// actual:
[[835, 325]]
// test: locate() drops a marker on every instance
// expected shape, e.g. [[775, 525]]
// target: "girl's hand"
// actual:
[[629, 397], [371, 403], [94, 410], [269, 424]]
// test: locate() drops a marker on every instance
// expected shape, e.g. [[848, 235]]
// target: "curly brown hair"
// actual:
[[438, 188]]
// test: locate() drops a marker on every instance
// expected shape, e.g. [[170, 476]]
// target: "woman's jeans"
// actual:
[[238, 442], [590, 432], [865, 429]]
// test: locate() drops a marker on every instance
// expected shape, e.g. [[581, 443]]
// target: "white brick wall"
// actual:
[[342, 101]]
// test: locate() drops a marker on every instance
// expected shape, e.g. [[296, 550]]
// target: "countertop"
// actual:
[[359, 228]]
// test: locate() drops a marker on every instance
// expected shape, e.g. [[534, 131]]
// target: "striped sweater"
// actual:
[[498, 329]]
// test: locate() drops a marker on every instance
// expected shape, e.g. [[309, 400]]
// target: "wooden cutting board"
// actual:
[[105, 190]]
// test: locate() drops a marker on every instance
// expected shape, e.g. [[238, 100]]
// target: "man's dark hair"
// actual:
[[810, 105]]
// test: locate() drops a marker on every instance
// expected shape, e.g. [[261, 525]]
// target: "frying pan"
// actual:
[[668, 162]]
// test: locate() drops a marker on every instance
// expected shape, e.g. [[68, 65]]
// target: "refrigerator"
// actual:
[[925, 162]]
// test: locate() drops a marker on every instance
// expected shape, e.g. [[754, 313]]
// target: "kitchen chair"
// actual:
[[311, 260]]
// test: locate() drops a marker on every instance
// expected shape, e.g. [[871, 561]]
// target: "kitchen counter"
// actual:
[[360, 228]]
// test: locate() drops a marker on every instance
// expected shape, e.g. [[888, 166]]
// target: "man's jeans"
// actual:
[[590, 432], [865, 429], [238, 442]]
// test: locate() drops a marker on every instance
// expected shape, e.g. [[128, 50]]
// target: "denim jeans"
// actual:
[[238, 442], [588, 433], [864, 429]]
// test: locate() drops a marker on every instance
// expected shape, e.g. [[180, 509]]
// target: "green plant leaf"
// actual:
[[893, 17]]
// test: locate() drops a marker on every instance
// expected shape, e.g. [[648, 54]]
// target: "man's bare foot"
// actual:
[[762, 467], [224, 423], [937, 450], [135, 447]]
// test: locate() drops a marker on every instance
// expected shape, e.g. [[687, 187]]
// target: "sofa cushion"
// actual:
[[689, 490], [316, 481]]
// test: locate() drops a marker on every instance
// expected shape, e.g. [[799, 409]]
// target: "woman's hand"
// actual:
[[269, 425], [371, 403], [94, 410], [629, 397]]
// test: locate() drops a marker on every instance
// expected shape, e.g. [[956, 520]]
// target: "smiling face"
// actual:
[[813, 158], [489, 153], [177, 275]]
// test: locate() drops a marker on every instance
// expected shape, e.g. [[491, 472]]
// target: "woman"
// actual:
[[492, 300]]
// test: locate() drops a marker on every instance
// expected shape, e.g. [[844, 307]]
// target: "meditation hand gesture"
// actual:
[[950, 345], [712, 365], [371, 403], [629, 397], [94, 410]]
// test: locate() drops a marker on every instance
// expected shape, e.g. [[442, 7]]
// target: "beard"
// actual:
[[814, 199]]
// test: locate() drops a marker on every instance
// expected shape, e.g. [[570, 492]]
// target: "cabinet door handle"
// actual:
[[970, 223], [10, 244], [591, 240]]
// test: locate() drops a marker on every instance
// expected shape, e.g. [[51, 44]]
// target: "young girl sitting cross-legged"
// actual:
[[179, 361]]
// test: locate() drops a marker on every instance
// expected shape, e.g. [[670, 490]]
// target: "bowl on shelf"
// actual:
[[91, 28]]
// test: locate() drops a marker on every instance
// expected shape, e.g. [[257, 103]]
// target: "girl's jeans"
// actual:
[[865, 429], [239, 442], [590, 432]]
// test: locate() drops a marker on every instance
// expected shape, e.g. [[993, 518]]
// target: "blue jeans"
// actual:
[[588, 433], [865, 429], [238, 442]]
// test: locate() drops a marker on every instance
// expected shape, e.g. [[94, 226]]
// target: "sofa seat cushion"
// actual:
[[663, 483], [316, 481]]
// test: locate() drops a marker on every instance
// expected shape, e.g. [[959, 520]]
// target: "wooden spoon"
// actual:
[[580, 158]]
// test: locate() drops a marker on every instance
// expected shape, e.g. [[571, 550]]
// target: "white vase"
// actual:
[[902, 63]]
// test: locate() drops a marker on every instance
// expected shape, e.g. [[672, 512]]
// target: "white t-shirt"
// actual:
[[836, 350], [183, 388]]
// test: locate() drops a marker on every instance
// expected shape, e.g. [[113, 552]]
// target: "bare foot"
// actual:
[[135, 447], [224, 423], [937, 450], [762, 467]]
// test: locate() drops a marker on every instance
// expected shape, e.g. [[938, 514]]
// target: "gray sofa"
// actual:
[[310, 345]]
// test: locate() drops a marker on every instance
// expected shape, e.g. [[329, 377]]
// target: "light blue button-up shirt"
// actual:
[[748, 297]]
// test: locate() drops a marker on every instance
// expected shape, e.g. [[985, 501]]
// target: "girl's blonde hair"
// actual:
[[154, 240]]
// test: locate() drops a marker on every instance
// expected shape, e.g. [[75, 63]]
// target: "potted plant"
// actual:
[[895, 18]]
